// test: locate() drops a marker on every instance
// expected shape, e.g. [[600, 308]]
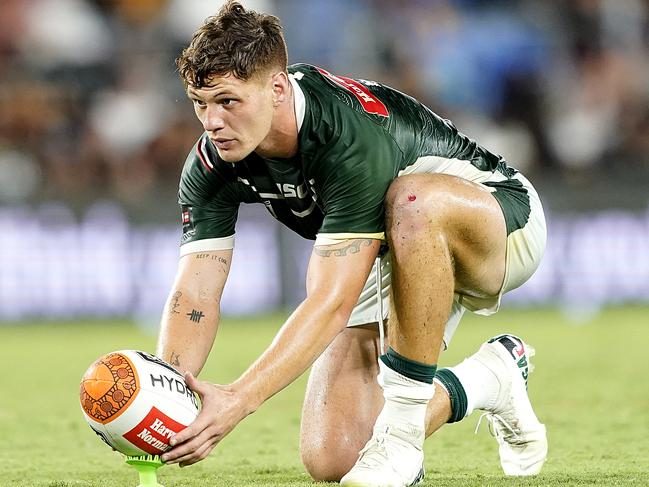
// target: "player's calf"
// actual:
[[341, 404], [394, 455]]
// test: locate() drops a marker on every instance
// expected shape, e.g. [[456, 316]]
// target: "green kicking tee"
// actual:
[[355, 137]]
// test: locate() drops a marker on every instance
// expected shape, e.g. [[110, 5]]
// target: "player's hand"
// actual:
[[220, 413]]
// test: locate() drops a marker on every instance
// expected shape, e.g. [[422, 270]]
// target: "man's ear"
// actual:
[[280, 83]]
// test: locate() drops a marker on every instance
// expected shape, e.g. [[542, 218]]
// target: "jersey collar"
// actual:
[[299, 101]]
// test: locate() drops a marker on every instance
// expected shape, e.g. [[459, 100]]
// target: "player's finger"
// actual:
[[199, 454], [201, 422], [180, 452], [188, 450]]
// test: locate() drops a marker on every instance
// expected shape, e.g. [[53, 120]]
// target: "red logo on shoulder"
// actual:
[[370, 103], [152, 434]]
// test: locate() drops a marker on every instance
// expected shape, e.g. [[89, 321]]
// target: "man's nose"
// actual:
[[213, 119]]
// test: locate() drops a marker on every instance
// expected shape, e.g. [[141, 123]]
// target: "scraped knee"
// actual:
[[417, 202]]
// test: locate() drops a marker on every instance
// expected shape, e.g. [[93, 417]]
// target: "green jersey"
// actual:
[[355, 137]]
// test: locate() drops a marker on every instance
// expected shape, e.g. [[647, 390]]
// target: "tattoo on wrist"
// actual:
[[353, 247], [195, 316], [175, 303], [222, 260]]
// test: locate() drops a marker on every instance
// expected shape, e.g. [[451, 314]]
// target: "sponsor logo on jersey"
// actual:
[[187, 219], [287, 190], [153, 433], [369, 102], [292, 190]]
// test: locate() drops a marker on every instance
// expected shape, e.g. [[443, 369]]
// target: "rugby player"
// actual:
[[413, 223]]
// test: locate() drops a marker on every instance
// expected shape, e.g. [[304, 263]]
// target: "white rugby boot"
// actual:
[[392, 458], [522, 440]]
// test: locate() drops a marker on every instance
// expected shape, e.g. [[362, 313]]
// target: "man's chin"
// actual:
[[231, 156]]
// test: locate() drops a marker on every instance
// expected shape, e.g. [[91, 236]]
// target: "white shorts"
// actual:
[[525, 248]]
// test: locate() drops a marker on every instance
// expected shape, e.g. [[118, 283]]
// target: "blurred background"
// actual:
[[95, 127]]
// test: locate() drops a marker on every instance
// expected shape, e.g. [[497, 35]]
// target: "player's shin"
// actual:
[[407, 389], [394, 455]]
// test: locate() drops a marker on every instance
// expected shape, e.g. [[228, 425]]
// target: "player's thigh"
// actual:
[[342, 402], [470, 218]]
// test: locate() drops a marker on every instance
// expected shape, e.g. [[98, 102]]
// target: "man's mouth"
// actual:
[[222, 143]]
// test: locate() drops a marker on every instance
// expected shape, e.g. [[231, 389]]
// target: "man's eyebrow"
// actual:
[[192, 93]]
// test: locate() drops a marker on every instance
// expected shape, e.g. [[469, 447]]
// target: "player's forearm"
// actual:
[[304, 336], [191, 314], [335, 278], [187, 330]]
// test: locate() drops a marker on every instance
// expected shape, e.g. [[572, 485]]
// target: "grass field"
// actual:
[[590, 387]]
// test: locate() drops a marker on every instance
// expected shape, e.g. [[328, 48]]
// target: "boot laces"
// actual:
[[500, 428], [375, 453]]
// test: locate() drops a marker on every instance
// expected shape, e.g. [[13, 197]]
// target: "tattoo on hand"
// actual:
[[195, 316], [353, 247], [222, 260], [175, 303], [175, 359]]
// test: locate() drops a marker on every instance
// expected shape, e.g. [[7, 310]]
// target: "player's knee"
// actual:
[[327, 462], [414, 204]]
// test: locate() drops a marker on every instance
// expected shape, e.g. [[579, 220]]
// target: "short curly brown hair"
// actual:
[[234, 41]]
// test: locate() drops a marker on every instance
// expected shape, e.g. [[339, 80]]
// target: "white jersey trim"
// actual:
[[456, 167], [299, 101], [207, 244]]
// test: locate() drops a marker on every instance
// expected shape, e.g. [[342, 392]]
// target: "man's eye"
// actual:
[[226, 101], [199, 103]]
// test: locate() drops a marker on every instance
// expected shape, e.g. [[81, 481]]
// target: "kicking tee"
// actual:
[[355, 137]]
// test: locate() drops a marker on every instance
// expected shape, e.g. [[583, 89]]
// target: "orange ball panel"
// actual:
[[98, 380], [108, 387]]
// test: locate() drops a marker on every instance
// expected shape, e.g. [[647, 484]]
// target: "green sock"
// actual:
[[456, 394], [409, 368]]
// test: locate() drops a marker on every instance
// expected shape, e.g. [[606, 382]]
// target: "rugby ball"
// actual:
[[135, 402]]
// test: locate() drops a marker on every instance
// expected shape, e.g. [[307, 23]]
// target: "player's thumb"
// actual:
[[195, 385]]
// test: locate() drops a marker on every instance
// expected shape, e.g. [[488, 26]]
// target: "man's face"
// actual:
[[236, 114]]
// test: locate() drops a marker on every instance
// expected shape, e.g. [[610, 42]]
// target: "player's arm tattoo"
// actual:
[[352, 247], [195, 316], [174, 359], [222, 260], [174, 304]]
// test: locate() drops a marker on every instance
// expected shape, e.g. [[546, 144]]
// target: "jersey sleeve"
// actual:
[[209, 199], [355, 173]]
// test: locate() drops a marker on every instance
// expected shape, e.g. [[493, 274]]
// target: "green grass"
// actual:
[[590, 387]]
